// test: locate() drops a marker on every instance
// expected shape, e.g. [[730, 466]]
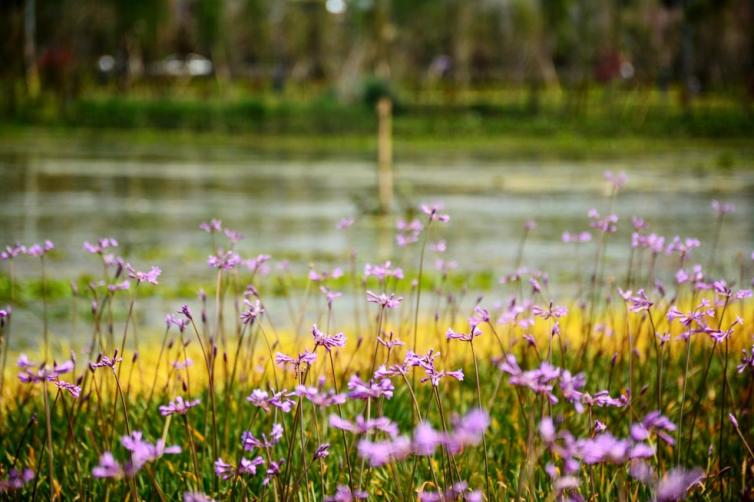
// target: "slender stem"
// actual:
[[190, 437], [49, 440], [683, 400], [418, 298], [122, 401], [484, 440], [44, 309], [722, 407], [659, 361], [157, 368], [703, 381], [340, 415]]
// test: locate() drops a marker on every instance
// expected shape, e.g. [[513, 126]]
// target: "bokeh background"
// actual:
[[141, 118]]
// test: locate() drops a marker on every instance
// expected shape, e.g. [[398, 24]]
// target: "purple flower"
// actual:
[[143, 452], [426, 361], [695, 317], [178, 406], [42, 372], [382, 271], [426, 439], [638, 302], [330, 295], [616, 180], [5, 315], [408, 232], [345, 223], [445, 266], [747, 360], [360, 389], [196, 497], [641, 450], [468, 430], [226, 471], [344, 494], [473, 333], [608, 224], [258, 264], [11, 252], [223, 469], [253, 310], [186, 311], [322, 451], [394, 370], [742, 294], [379, 453], [272, 470], [106, 362], [73, 390], [681, 246], [182, 365], [108, 467], [328, 342], [119, 286], [659, 423], [233, 236], [547, 430], [676, 483], [100, 246], [603, 448], [315, 276], [280, 400], [224, 260], [390, 342], [722, 208], [260, 399], [539, 380], [212, 226], [362, 426], [435, 376], [458, 491], [720, 335], [247, 466], [322, 399], [553, 311], [249, 441], [570, 387], [150, 277], [577, 238], [305, 357], [385, 301], [438, 247], [602, 399], [433, 212], [15, 480], [178, 322], [733, 420], [40, 249], [641, 471]]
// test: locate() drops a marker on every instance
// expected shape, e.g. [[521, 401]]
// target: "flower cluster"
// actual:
[[141, 452]]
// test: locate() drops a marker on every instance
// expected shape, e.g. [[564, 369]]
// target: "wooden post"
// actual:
[[30, 51], [385, 153]]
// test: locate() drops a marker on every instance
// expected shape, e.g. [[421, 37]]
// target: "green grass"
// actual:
[[489, 122]]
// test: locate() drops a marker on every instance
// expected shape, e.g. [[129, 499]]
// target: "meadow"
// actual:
[[390, 381]]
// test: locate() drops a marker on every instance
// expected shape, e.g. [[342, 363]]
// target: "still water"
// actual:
[[287, 206]]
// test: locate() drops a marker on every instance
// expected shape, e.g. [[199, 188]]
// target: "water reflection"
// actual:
[[288, 207]]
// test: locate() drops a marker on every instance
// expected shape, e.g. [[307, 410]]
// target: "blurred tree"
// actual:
[[421, 46], [136, 36]]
